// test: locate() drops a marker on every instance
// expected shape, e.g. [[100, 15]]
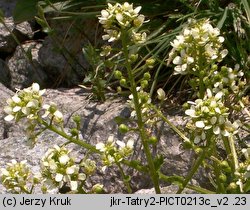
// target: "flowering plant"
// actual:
[[197, 51]]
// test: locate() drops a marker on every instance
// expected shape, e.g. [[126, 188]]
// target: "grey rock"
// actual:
[[4, 72], [25, 69], [62, 56], [7, 129], [8, 7], [21, 31], [97, 125], [7, 43]]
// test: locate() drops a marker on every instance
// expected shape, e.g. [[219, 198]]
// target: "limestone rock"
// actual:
[[22, 31], [24, 70]]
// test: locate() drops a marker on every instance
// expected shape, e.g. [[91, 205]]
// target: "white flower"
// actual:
[[71, 170], [63, 159], [100, 146]]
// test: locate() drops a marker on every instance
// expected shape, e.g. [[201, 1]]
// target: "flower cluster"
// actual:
[[60, 169], [144, 101], [52, 113], [209, 116], [111, 153], [17, 176], [122, 17], [198, 46], [25, 103], [227, 80]]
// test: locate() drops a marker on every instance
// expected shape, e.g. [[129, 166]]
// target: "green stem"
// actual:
[[200, 189], [193, 170], [125, 180], [140, 123], [233, 152], [69, 138], [172, 126]]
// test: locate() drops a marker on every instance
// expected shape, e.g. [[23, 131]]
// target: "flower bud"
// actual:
[[123, 128], [119, 89], [147, 76], [223, 178], [77, 119], [118, 74], [123, 82], [161, 95], [97, 188], [150, 62], [144, 83], [133, 57], [74, 132], [152, 140]]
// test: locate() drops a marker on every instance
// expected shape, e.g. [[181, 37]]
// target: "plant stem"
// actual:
[[193, 170], [172, 126], [69, 138], [124, 178], [140, 123]]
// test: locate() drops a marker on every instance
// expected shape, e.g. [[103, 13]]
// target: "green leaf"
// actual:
[[25, 10], [158, 161], [222, 20], [247, 186]]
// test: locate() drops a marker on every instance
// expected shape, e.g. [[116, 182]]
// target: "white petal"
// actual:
[[221, 39], [104, 13], [81, 176], [70, 170], [64, 159], [130, 143], [73, 185], [120, 143], [177, 60], [213, 120], [9, 117], [58, 177], [218, 95], [209, 93], [16, 99], [217, 109], [225, 133], [58, 114], [119, 17], [190, 112], [16, 108], [137, 10], [216, 130], [224, 53], [197, 139], [190, 60], [200, 124], [100, 146], [35, 87]]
